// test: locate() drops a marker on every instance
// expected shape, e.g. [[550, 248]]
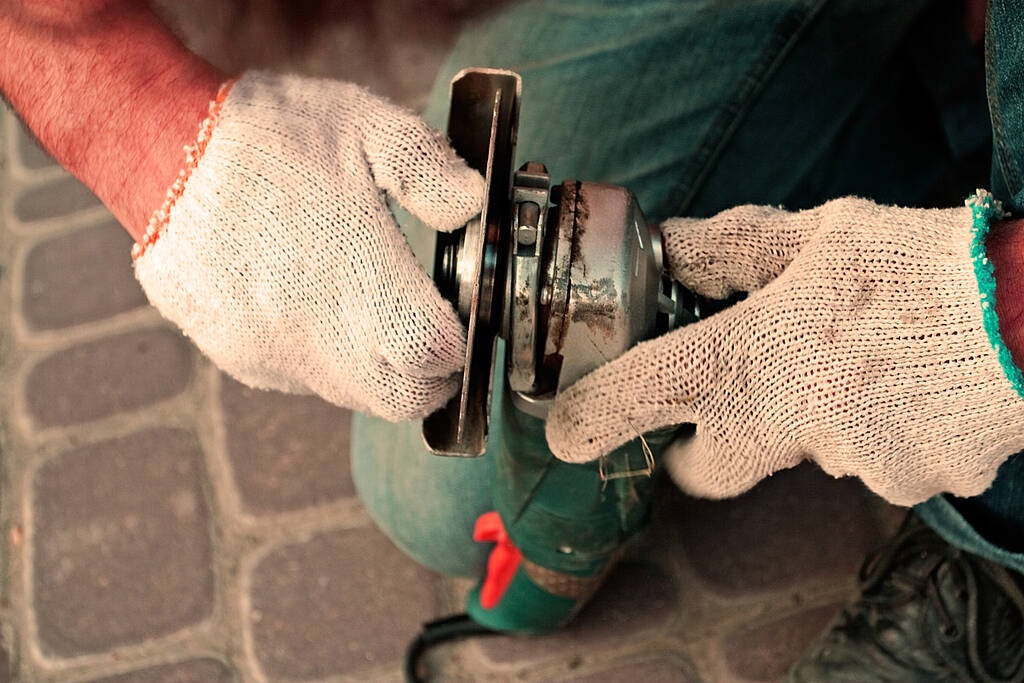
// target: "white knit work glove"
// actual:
[[277, 254], [865, 345]]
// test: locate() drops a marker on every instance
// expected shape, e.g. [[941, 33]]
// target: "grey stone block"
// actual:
[[765, 652], [340, 603], [287, 452], [30, 154], [121, 543], [798, 525], [6, 668], [103, 377], [60, 197], [665, 670], [80, 277]]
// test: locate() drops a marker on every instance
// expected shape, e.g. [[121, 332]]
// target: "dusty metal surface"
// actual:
[[613, 281]]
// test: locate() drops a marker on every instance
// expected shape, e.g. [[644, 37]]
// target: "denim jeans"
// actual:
[[700, 106]]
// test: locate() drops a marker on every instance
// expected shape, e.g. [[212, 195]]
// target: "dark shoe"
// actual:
[[927, 612]]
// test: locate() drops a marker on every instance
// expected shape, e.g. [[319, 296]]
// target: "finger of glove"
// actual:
[[373, 386], [415, 164], [366, 381], [363, 135], [397, 396], [739, 250], [412, 326], [706, 469], [654, 385]]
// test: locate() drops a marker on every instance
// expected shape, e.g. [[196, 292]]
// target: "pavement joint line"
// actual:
[[53, 227], [46, 342], [38, 346], [140, 416]]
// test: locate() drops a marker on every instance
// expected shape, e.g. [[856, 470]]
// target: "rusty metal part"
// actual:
[[530, 196], [613, 281], [602, 285]]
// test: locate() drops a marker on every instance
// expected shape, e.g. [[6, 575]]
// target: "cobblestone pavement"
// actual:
[[163, 523]]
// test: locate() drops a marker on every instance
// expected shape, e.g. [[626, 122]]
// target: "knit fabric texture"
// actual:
[[280, 258], [862, 346]]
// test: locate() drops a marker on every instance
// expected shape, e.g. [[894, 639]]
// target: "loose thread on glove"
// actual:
[[602, 462], [605, 476]]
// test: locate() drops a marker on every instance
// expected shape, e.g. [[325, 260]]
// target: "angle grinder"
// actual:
[[551, 282]]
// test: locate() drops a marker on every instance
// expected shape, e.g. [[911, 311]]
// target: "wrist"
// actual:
[[111, 94], [1005, 249]]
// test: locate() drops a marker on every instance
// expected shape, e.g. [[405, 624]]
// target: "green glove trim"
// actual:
[[984, 209]]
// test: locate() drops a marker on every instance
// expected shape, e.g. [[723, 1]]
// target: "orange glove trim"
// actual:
[[193, 153]]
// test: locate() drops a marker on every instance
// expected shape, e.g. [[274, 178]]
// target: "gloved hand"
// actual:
[[277, 254], [865, 345]]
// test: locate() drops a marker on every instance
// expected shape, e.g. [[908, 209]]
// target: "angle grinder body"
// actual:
[[551, 282]]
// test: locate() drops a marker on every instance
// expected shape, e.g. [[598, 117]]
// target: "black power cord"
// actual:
[[436, 632]]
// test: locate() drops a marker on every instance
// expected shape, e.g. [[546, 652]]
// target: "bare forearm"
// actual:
[[109, 91], [1005, 248]]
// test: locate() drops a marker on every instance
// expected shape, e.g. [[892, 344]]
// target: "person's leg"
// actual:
[[426, 504], [699, 106], [623, 92], [989, 525]]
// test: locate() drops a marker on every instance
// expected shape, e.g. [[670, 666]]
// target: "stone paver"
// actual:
[[121, 543], [342, 602], [287, 452], [653, 671], [796, 526], [62, 197], [762, 652], [59, 292], [204, 671], [164, 524], [100, 378]]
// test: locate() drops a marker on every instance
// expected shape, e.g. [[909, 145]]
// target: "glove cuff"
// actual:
[[193, 153], [984, 209]]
